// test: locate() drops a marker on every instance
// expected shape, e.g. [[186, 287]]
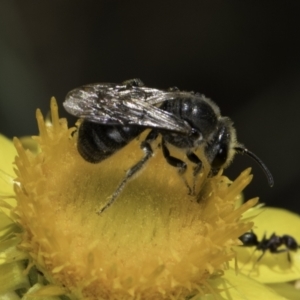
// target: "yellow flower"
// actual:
[[154, 242]]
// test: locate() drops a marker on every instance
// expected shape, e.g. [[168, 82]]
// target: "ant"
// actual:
[[249, 239]]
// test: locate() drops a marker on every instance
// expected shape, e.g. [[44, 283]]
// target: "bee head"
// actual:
[[221, 149]]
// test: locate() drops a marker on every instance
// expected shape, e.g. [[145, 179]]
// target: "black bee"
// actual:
[[114, 114], [249, 239]]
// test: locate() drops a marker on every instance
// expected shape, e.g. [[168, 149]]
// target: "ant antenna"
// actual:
[[243, 150]]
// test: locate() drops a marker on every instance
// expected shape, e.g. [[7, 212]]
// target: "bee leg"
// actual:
[[173, 89], [133, 82], [146, 147], [175, 162], [196, 160]]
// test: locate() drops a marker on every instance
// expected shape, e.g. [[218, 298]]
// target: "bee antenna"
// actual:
[[243, 150]]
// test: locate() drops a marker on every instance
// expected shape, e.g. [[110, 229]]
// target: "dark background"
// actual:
[[245, 55]]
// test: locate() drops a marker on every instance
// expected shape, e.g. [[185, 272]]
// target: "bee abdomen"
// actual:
[[97, 142]]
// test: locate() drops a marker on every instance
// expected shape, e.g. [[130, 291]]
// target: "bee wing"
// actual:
[[117, 105]]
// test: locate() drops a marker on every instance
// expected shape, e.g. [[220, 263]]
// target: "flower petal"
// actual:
[[7, 175], [242, 287], [286, 290], [7, 155], [12, 277]]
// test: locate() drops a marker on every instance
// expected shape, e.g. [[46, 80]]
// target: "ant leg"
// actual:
[[254, 264], [260, 257], [175, 162], [145, 145], [281, 251], [196, 160]]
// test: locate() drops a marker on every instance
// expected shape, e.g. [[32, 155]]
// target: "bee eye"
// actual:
[[221, 157]]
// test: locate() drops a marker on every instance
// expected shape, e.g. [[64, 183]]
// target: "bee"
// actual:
[[249, 239], [114, 114]]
